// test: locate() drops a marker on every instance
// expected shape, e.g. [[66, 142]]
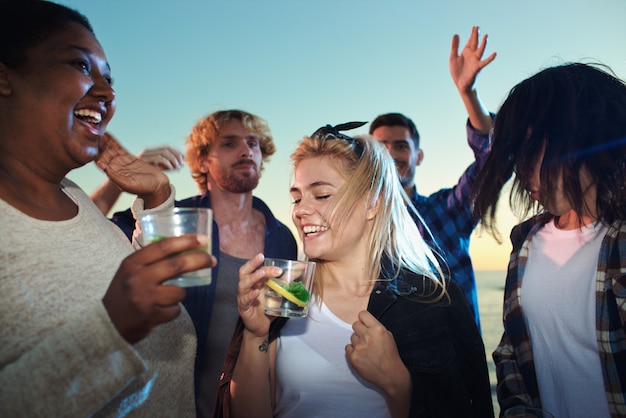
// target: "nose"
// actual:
[[246, 150], [102, 88], [301, 209]]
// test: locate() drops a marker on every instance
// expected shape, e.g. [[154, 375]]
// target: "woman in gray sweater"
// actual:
[[86, 326]]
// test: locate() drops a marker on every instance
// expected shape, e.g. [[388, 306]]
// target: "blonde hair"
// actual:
[[207, 132], [395, 236]]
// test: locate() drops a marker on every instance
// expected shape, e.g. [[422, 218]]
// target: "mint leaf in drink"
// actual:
[[157, 238], [298, 290]]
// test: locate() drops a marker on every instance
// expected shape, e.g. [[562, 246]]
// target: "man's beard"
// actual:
[[407, 179], [236, 182], [239, 184]]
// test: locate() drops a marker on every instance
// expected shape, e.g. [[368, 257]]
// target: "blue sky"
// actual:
[[303, 64]]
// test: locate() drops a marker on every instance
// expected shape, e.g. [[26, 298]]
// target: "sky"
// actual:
[[303, 64]]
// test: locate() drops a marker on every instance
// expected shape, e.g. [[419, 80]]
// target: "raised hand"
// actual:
[[464, 67], [165, 158], [136, 299], [131, 174]]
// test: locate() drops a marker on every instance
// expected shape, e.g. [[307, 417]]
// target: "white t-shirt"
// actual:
[[559, 302], [314, 377]]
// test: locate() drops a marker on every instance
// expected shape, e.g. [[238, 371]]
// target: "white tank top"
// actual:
[[559, 302], [314, 377]]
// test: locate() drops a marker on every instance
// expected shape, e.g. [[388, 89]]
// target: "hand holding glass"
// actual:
[[174, 223], [290, 293]]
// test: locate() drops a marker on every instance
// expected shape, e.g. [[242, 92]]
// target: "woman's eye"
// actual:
[[295, 201], [83, 65], [322, 197]]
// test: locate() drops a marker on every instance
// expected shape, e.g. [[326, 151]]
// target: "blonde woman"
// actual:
[[385, 336]]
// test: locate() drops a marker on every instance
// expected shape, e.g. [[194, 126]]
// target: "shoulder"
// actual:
[[75, 191], [521, 231]]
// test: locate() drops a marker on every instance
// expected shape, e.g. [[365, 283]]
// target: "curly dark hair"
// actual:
[[25, 23]]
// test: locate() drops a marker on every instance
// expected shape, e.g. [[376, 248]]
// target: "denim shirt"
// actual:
[[441, 346]]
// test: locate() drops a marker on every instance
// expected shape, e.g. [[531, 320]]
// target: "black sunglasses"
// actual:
[[332, 132]]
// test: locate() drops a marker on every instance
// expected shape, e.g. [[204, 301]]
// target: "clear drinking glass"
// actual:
[[175, 222], [290, 293]]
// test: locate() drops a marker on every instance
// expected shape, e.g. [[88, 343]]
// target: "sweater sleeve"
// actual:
[[138, 211], [73, 371]]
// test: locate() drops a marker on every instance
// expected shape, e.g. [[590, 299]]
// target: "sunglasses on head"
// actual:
[[329, 132]]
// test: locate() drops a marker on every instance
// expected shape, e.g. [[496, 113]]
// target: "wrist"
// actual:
[[157, 196], [259, 341]]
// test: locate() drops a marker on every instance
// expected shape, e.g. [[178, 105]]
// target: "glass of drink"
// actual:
[[527, 412], [290, 293], [175, 222]]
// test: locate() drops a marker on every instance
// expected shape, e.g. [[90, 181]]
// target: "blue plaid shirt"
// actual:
[[515, 368], [448, 215]]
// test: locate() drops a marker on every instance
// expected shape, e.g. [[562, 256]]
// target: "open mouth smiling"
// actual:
[[90, 116], [313, 229]]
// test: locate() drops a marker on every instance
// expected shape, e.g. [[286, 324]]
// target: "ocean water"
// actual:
[[490, 285]]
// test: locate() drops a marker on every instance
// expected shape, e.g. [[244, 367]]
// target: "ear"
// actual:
[[372, 209], [420, 157], [5, 85], [204, 166]]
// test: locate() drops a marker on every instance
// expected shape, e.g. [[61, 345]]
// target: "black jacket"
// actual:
[[438, 342], [441, 346]]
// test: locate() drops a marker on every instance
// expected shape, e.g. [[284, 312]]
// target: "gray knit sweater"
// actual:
[[60, 355]]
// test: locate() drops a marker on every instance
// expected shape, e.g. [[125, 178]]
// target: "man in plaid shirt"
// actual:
[[447, 214]]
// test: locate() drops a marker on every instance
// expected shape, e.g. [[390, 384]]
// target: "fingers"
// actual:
[[170, 257], [472, 41], [252, 277], [365, 328], [251, 265], [482, 46], [250, 283], [133, 310], [362, 326], [454, 48], [367, 319], [487, 60], [136, 299], [111, 154], [165, 314], [166, 158]]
